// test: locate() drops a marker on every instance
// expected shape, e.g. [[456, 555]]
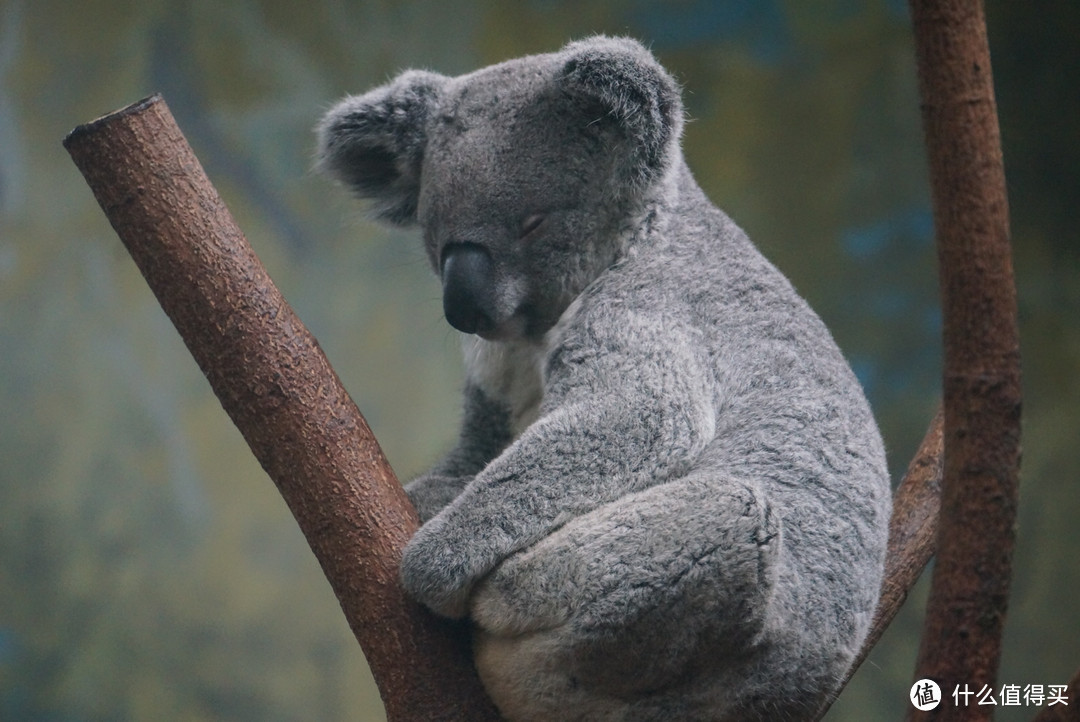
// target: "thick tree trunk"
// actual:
[[961, 640], [277, 386]]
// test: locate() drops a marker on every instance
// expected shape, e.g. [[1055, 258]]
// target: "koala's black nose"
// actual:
[[468, 282]]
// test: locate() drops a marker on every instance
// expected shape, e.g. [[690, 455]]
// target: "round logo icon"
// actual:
[[925, 695]]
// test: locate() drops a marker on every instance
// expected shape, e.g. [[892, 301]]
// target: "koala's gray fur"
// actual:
[[669, 499]]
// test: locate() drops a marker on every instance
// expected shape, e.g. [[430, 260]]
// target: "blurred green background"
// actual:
[[148, 568]]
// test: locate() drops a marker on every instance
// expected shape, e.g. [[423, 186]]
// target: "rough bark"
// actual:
[[277, 386], [961, 641], [912, 537], [912, 530]]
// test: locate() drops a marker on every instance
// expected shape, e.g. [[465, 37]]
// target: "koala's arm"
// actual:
[[614, 421], [485, 432]]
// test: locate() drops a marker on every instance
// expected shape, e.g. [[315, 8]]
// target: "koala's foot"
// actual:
[[629, 600]]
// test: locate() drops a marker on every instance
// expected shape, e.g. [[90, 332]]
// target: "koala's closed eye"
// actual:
[[531, 224]]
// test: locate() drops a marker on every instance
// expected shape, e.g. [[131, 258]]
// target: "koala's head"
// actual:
[[524, 176]]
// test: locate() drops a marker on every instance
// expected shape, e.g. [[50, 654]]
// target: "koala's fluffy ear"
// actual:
[[636, 93], [374, 142]]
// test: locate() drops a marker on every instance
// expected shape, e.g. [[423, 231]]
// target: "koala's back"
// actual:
[[778, 519]]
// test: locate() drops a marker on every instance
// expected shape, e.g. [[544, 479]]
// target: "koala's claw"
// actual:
[[434, 575]]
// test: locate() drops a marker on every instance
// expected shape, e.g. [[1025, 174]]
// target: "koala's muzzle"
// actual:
[[468, 288]]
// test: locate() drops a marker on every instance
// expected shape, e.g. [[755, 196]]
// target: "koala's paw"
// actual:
[[436, 573], [528, 592]]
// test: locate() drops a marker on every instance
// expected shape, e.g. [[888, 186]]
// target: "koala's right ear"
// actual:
[[374, 142], [636, 92]]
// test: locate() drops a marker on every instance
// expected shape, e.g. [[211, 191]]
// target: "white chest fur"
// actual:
[[511, 372]]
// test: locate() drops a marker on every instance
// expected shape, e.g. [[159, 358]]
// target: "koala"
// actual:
[[669, 498]]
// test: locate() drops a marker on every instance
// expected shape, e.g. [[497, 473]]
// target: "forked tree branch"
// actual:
[[277, 386], [280, 391], [961, 641]]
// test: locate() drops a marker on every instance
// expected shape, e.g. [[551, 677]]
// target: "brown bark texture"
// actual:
[[912, 539], [961, 640], [277, 386]]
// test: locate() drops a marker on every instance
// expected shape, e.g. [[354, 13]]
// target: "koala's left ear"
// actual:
[[635, 91], [375, 142]]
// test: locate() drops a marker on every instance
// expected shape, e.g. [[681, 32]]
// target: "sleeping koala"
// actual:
[[669, 498]]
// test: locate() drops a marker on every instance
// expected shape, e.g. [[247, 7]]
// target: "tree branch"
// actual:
[[277, 386], [961, 642]]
